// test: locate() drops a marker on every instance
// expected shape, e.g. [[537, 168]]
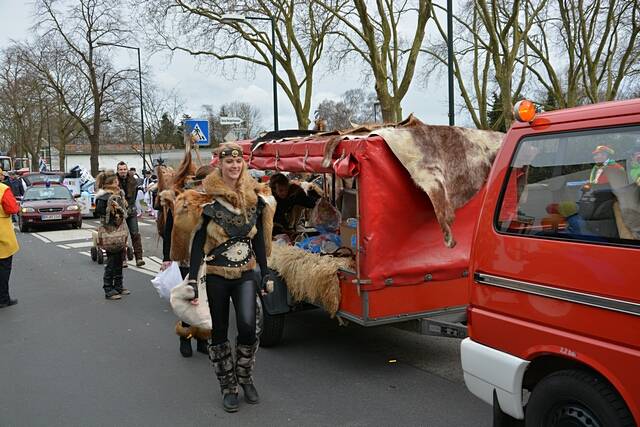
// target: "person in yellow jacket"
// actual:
[[8, 243]]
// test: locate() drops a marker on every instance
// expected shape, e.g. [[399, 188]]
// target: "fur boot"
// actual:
[[245, 362], [222, 361], [136, 242]]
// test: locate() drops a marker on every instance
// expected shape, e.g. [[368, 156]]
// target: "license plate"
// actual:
[[50, 217]]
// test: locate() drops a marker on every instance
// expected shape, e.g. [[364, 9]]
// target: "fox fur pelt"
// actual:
[[310, 277], [187, 213]]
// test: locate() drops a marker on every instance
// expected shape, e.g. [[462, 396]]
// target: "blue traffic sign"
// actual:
[[198, 129]]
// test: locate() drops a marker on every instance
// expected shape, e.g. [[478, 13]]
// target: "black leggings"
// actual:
[[243, 293]]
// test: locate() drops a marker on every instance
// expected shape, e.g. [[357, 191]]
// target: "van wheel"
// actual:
[[272, 328], [576, 398], [100, 256], [94, 253]]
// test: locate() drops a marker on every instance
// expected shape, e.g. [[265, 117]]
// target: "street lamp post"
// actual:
[[232, 17], [137, 49]]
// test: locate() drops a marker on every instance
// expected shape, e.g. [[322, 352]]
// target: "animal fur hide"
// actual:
[[449, 163], [310, 277], [187, 213]]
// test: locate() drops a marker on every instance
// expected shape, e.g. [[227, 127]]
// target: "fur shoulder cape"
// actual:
[[187, 215]]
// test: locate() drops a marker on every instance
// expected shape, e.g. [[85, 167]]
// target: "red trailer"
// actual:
[[403, 270]]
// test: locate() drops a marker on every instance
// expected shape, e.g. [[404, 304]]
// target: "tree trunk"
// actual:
[[95, 152]]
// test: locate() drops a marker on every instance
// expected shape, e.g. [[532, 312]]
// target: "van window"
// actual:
[[581, 186]]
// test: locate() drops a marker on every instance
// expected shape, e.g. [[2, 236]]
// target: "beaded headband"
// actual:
[[233, 152]]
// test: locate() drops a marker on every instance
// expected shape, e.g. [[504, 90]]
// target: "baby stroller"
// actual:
[[99, 255]]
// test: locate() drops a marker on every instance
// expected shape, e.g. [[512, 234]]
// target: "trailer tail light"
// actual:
[[524, 111]]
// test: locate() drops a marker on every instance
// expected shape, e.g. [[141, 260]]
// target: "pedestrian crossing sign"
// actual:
[[198, 130]]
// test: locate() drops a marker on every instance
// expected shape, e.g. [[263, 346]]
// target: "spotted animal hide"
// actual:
[[449, 163]]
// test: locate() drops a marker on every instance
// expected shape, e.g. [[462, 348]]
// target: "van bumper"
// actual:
[[487, 369]]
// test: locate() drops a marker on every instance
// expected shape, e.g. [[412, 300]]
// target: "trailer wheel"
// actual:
[[576, 398], [94, 253], [100, 256], [272, 328]]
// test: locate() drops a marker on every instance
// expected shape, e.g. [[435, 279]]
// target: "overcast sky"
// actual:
[[199, 86]]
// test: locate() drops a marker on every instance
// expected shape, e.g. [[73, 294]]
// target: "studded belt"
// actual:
[[235, 252]]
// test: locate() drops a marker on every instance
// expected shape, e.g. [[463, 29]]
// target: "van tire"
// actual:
[[272, 328], [579, 396]]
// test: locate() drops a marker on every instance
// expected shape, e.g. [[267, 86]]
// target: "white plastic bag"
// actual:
[[166, 280], [181, 296]]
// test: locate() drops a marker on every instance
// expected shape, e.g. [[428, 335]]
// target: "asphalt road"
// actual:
[[68, 357]]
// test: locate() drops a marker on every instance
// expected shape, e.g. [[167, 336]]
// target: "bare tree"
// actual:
[[490, 53], [161, 107], [386, 38], [249, 128], [587, 51], [198, 28], [354, 108], [23, 102], [69, 59]]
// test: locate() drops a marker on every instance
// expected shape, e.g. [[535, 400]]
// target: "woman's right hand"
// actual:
[[165, 265]]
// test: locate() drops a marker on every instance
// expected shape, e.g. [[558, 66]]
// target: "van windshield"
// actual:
[[575, 185]]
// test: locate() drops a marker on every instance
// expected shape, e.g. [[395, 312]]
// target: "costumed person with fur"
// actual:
[[129, 184], [288, 195], [111, 207], [180, 251], [233, 235]]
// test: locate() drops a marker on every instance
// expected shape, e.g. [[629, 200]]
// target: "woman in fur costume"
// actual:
[[111, 206], [234, 233], [168, 198]]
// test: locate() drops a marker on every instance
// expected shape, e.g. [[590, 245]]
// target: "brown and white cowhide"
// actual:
[[449, 163]]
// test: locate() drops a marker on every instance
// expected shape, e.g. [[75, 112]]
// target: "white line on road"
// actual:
[[152, 261], [142, 270], [38, 236], [156, 259], [63, 246], [67, 235], [85, 253], [80, 244]]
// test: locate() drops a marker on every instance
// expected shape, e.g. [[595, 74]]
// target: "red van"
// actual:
[[554, 315]]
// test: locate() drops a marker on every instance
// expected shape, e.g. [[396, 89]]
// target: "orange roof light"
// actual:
[[524, 111]]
